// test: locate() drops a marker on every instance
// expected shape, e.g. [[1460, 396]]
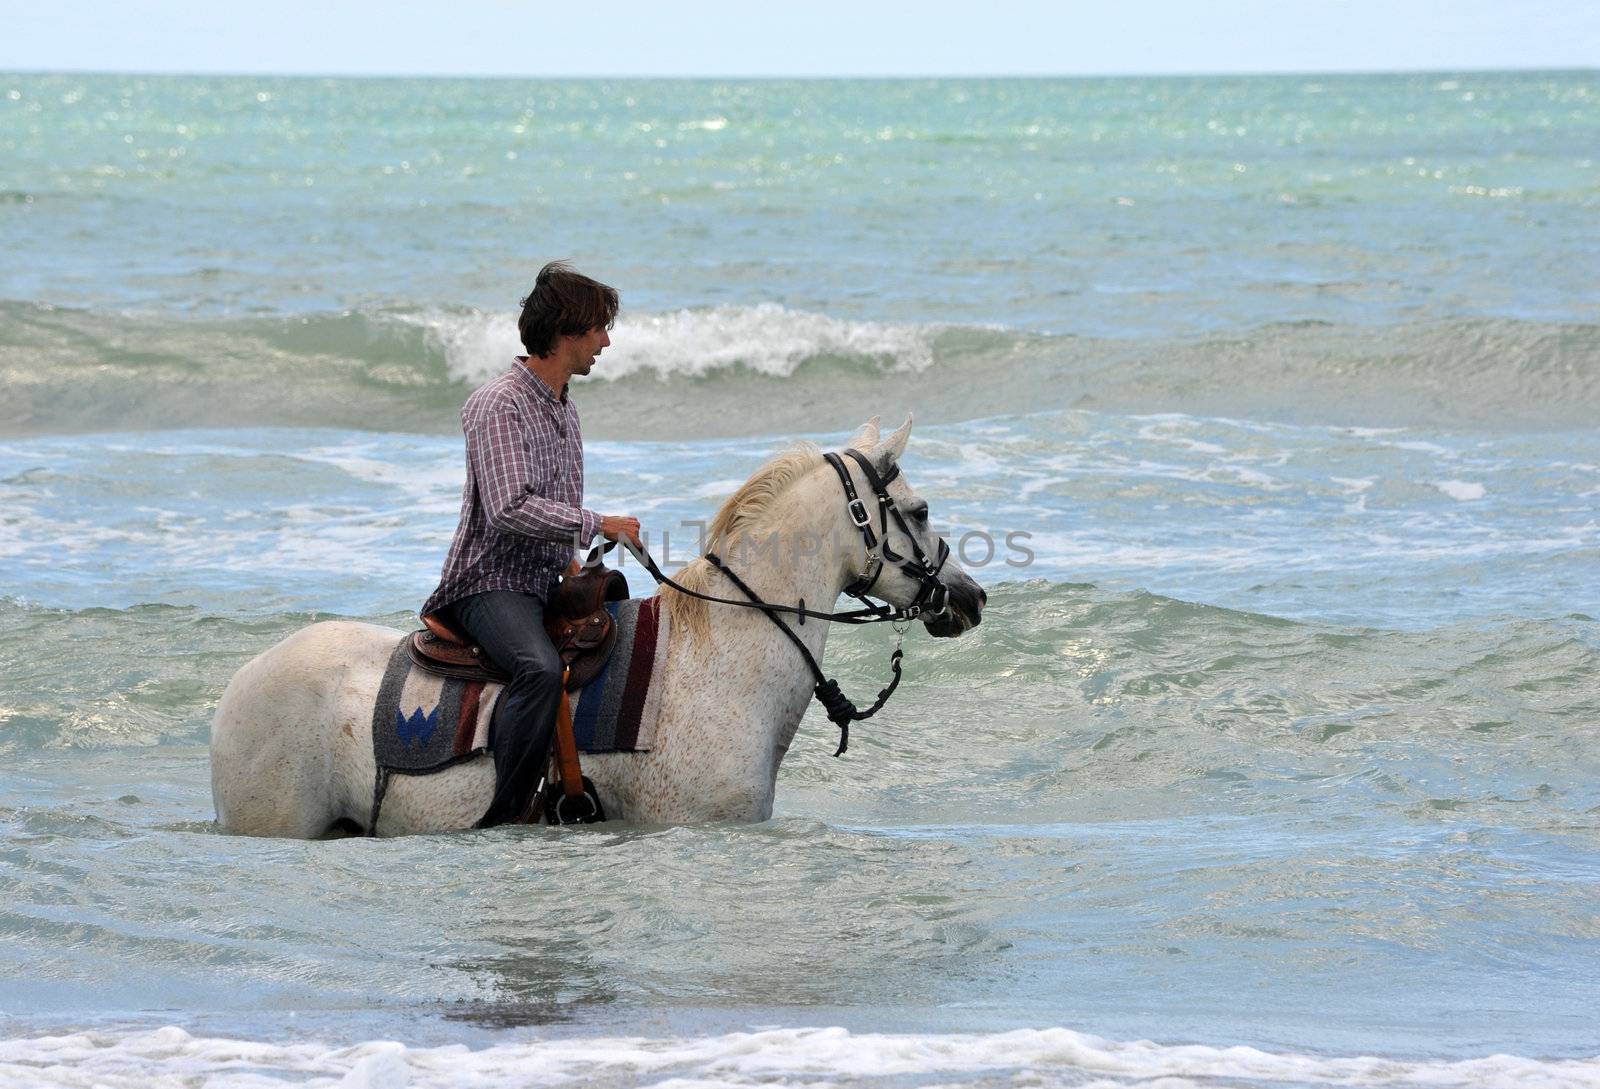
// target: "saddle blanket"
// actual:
[[422, 722]]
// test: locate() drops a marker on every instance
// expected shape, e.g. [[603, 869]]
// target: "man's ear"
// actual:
[[866, 436], [890, 449]]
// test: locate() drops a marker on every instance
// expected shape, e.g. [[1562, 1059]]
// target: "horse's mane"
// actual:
[[742, 512]]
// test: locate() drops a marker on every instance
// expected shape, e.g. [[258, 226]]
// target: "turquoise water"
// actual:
[[1082, 206], [1276, 747]]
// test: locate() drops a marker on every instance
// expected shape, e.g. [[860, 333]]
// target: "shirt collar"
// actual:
[[537, 384]]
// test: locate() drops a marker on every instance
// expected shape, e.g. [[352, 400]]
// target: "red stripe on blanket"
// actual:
[[641, 665], [467, 725]]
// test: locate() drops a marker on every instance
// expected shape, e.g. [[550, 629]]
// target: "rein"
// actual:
[[932, 595]]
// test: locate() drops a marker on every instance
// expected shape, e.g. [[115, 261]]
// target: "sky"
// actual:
[[814, 38]]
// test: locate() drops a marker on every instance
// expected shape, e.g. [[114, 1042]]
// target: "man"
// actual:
[[521, 515]]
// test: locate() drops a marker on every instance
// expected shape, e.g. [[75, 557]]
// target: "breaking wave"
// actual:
[[767, 339], [735, 370], [1045, 1057]]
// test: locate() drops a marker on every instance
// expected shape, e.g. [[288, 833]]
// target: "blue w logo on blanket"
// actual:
[[416, 727]]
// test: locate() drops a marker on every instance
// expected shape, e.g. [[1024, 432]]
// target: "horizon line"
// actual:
[[811, 77]]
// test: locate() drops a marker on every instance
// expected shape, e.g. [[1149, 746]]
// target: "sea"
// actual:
[[1266, 410]]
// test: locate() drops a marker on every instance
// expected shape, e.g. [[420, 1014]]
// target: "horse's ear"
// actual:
[[890, 449], [866, 436]]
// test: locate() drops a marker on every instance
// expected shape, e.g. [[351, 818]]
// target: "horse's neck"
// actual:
[[766, 672], [788, 575]]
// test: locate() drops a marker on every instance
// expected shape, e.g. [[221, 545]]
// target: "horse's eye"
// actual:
[[920, 512]]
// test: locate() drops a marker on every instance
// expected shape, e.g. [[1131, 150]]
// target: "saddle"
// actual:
[[575, 618]]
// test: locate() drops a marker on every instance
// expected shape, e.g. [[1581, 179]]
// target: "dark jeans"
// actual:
[[509, 626]]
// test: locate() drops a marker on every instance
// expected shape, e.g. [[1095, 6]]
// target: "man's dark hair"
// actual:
[[564, 302]]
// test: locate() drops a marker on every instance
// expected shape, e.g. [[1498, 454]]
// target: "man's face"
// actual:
[[587, 346]]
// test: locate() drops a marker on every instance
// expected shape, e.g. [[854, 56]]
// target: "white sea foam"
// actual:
[[709, 124], [476, 345], [430, 485], [1089, 551], [767, 339], [1461, 490], [1047, 1057]]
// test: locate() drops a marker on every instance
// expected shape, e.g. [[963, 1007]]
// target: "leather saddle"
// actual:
[[575, 618]]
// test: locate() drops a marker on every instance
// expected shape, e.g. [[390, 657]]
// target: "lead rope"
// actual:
[[841, 711]]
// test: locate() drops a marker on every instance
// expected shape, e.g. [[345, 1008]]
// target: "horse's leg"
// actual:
[[286, 739]]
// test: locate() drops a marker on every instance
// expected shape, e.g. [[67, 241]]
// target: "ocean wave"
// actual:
[[765, 339], [741, 370], [1046, 1057], [113, 678], [1284, 686]]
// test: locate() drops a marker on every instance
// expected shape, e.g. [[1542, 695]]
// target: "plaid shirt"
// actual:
[[522, 508]]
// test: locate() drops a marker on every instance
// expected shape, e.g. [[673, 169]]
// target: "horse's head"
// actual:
[[913, 564]]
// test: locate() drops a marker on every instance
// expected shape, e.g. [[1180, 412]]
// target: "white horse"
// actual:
[[291, 743]]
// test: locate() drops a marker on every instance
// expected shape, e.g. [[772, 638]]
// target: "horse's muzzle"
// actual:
[[963, 608]]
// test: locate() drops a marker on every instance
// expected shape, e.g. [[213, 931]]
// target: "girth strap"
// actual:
[[567, 746], [577, 802]]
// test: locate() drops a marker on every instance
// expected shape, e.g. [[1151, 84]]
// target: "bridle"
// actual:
[[932, 597]]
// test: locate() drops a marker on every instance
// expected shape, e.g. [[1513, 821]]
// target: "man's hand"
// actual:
[[615, 527]]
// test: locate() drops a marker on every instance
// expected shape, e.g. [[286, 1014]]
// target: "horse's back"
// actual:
[[287, 753]]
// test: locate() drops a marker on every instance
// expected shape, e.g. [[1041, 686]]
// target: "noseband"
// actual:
[[932, 598]]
